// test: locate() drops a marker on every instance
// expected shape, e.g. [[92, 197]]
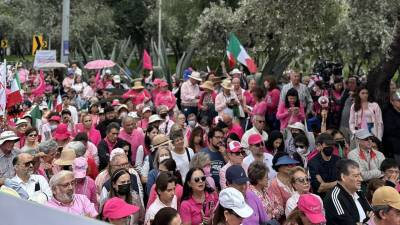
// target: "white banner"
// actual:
[[3, 86], [43, 57]]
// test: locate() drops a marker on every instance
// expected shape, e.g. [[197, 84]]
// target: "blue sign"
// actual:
[[66, 48]]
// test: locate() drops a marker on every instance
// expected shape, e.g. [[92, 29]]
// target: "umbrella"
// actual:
[[52, 65], [99, 64]]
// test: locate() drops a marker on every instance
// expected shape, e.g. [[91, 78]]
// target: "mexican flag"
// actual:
[[36, 115], [15, 96], [59, 103], [235, 51]]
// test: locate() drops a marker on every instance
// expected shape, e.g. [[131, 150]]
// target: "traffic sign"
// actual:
[[37, 43], [4, 43]]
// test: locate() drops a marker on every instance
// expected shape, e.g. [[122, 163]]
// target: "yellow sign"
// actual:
[[4, 43], [37, 43]]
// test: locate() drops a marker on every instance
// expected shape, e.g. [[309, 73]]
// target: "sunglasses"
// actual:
[[302, 180], [243, 153], [199, 179], [27, 164]]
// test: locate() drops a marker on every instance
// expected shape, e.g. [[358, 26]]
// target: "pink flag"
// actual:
[[41, 87], [147, 64]]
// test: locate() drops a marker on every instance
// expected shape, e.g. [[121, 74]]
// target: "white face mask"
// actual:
[[53, 127], [300, 150], [123, 115], [192, 123]]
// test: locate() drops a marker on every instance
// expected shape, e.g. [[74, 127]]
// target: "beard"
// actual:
[[65, 197]]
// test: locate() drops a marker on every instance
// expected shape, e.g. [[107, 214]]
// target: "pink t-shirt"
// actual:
[[236, 129], [165, 98], [87, 187], [191, 210], [136, 138], [80, 205]]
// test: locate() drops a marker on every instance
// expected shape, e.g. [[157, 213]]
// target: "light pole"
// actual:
[[159, 33], [65, 32]]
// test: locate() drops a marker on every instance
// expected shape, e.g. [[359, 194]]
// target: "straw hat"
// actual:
[[208, 85], [195, 75], [227, 84], [137, 85], [160, 140], [67, 157]]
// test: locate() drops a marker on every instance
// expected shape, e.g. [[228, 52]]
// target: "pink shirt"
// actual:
[[143, 123], [138, 97], [249, 98], [236, 129], [190, 93], [286, 118], [191, 210], [68, 82], [93, 134], [272, 100], [165, 98], [80, 205], [88, 188], [259, 108], [136, 138]]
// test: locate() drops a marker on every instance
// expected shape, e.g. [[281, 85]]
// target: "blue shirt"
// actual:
[[217, 162]]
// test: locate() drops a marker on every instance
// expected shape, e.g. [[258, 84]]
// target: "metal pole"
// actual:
[[159, 33], [65, 32]]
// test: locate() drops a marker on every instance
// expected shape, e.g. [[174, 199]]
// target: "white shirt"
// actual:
[[267, 161], [182, 161], [29, 187], [246, 136], [359, 208], [156, 206], [165, 126]]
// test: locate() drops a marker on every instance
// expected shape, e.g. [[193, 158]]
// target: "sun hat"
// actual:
[[235, 174], [145, 109], [154, 118], [123, 106], [117, 208], [137, 85], [227, 84], [117, 78], [297, 125], [8, 135], [21, 121], [311, 206], [285, 160], [362, 134], [235, 71], [234, 146], [208, 85], [231, 198], [255, 139], [195, 75], [66, 158], [160, 140], [61, 132], [386, 195], [79, 167]]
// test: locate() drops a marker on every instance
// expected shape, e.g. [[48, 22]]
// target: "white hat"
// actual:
[[235, 71], [362, 134], [78, 72], [8, 136], [116, 151], [145, 109], [108, 71], [231, 198], [117, 78], [123, 106], [21, 121], [195, 75], [297, 125], [154, 118], [134, 115]]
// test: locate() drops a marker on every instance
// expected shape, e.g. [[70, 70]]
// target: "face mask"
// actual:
[[163, 116], [300, 150], [328, 151], [124, 189], [162, 158], [53, 127], [207, 170], [123, 115], [192, 123]]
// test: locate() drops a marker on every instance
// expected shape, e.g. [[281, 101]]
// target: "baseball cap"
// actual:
[[79, 167], [230, 198], [145, 109], [234, 146], [255, 139], [386, 195], [362, 134], [311, 206], [235, 174], [117, 208]]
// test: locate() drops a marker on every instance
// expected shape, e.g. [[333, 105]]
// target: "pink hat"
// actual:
[[79, 167], [254, 139], [61, 132], [234, 146], [55, 118], [310, 205], [115, 102], [163, 83], [116, 208], [157, 81]]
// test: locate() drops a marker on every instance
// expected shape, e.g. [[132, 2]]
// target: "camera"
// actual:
[[325, 69]]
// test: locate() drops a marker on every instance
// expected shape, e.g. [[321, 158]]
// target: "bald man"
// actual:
[[31, 183]]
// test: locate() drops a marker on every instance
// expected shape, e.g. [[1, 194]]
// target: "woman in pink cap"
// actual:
[[165, 97], [309, 211], [61, 134], [117, 212]]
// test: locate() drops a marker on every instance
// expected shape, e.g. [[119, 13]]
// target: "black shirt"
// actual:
[[326, 169]]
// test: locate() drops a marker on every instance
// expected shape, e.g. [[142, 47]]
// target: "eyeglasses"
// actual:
[[243, 153], [72, 183], [302, 180], [27, 164], [32, 135], [199, 179], [258, 145], [120, 166]]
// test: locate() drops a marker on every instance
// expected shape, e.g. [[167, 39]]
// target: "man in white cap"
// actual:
[[190, 94], [7, 153], [369, 159]]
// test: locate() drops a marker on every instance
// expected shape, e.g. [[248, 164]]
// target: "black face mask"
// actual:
[[328, 151], [124, 189], [163, 115]]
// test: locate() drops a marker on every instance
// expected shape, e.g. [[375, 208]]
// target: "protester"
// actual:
[[108, 144], [386, 207], [117, 212], [190, 94], [167, 216], [258, 122], [84, 184], [390, 171], [202, 160], [235, 153], [290, 110], [309, 210], [7, 153]]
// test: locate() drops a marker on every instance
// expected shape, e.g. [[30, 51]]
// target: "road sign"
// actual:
[[37, 43], [4, 43]]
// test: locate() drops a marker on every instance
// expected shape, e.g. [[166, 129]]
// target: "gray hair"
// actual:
[[199, 160], [48, 146], [127, 118], [78, 147], [56, 179]]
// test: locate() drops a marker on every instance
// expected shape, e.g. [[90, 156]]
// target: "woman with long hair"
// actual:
[[198, 200], [272, 100], [31, 141], [365, 114], [275, 142], [196, 140], [291, 110]]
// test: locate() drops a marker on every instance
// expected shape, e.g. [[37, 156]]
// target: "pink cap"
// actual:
[[79, 167], [254, 139], [163, 83], [116, 208], [115, 102], [61, 132], [157, 81], [234, 146], [55, 118], [310, 205]]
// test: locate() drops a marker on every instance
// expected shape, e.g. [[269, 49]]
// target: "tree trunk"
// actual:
[[379, 77]]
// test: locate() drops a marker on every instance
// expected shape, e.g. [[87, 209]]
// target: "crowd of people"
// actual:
[[220, 149]]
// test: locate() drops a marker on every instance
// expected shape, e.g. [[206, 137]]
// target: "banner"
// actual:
[[44, 56]]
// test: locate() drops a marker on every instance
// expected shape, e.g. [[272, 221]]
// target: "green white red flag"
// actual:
[[236, 52]]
